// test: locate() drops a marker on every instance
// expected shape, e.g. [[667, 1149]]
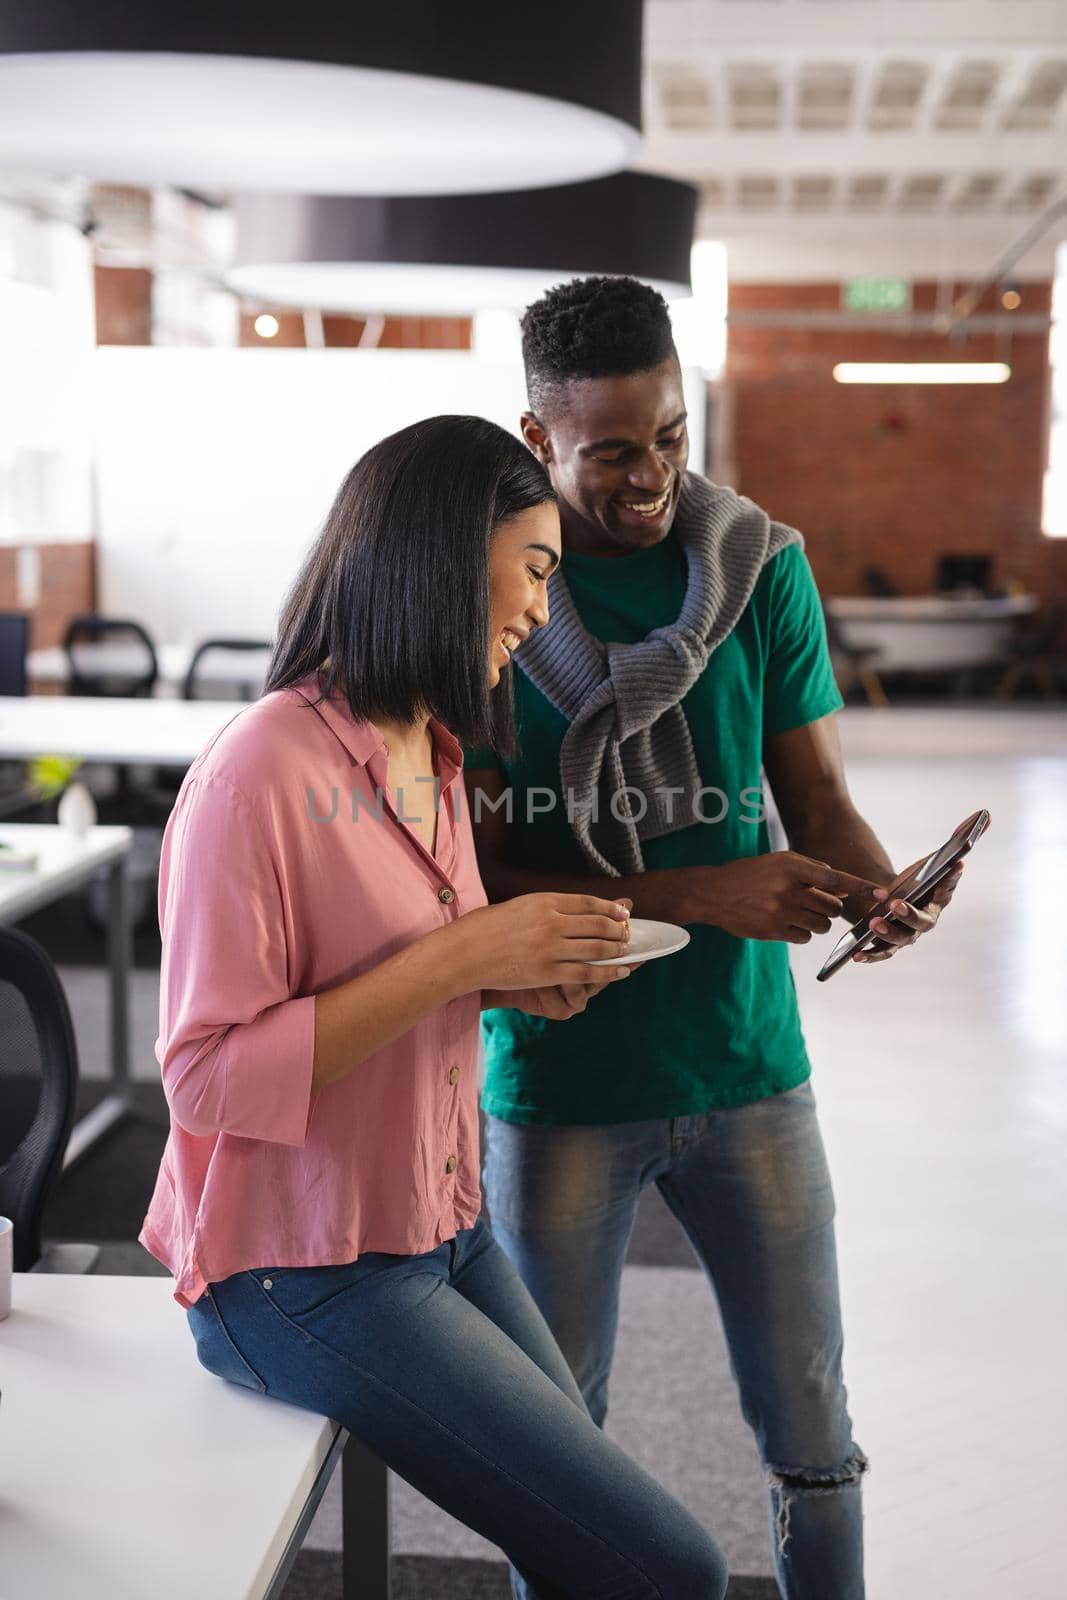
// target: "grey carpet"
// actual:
[[317, 1576]]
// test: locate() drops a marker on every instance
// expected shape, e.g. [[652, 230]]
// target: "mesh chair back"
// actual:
[[109, 656], [38, 1080], [1046, 633], [834, 638], [214, 663], [14, 639]]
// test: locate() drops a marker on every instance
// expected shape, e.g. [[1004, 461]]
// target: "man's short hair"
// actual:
[[593, 328]]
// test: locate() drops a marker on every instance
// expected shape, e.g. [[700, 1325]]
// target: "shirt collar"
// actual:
[[363, 740]]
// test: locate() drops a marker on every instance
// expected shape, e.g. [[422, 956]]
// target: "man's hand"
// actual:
[[909, 923], [782, 896]]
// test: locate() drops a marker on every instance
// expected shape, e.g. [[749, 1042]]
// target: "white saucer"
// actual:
[[647, 941]]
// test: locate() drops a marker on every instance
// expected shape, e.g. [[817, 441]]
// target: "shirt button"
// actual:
[[450, 1164], [453, 1076], [446, 896]]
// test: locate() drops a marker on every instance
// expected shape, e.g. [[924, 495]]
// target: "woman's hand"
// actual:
[[559, 1002], [540, 942]]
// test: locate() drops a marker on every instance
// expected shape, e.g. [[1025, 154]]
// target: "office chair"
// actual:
[[879, 583], [196, 674], [133, 670], [1035, 654], [855, 660], [38, 1081]]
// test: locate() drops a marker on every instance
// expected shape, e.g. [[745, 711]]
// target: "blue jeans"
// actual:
[[442, 1364], [751, 1188]]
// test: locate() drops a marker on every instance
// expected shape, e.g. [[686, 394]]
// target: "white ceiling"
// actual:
[[880, 135]]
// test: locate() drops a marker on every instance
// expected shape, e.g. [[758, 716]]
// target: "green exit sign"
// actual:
[[877, 294]]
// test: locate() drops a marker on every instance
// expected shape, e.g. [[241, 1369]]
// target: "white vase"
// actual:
[[76, 810]]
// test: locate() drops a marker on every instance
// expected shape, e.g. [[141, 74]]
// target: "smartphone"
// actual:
[[915, 887]]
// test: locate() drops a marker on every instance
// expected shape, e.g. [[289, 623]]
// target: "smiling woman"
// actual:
[[319, 1202], [406, 637]]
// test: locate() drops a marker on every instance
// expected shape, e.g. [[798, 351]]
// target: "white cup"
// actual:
[[7, 1243]]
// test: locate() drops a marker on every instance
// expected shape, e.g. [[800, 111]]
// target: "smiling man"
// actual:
[[685, 653]]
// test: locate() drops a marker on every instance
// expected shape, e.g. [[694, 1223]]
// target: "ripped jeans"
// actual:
[[751, 1188]]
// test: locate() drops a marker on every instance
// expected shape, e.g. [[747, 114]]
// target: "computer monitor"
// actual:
[[964, 572], [14, 639]]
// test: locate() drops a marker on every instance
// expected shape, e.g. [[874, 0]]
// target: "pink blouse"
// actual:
[[286, 870]]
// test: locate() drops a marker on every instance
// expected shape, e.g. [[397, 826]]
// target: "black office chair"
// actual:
[[1037, 653], [197, 675], [133, 681], [851, 660], [38, 1082], [879, 583]]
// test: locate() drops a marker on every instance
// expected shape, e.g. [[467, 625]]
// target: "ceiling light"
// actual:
[[407, 255], [266, 325], [1011, 299], [398, 99], [922, 372]]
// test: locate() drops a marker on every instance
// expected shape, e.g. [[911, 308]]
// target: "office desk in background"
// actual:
[[930, 633], [160, 733], [127, 1472]]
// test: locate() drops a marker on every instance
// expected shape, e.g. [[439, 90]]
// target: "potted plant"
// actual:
[[52, 777]]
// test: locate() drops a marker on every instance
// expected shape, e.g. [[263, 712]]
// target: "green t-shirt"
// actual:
[[716, 1024]]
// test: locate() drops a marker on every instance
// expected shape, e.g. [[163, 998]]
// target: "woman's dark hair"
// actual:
[[393, 599]]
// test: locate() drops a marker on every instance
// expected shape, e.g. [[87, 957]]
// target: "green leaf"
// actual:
[[50, 774]]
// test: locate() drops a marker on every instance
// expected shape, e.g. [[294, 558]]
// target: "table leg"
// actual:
[[364, 1524], [120, 961]]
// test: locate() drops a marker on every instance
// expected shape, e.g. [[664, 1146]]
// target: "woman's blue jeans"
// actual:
[[751, 1188], [442, 1364]]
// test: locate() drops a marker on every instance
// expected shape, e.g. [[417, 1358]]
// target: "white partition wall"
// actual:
[[215, 468]]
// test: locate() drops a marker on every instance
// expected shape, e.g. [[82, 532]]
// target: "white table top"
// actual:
[[152, 732], [63, 862], [929, 608], [126, 1470]]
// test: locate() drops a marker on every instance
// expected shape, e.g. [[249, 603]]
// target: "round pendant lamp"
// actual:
[[460, 253], [412, 97]]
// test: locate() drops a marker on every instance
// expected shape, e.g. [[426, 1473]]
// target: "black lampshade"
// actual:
[[460, 252]]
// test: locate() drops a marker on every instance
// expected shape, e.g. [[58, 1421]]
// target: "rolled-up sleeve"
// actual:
[[236, 1047]]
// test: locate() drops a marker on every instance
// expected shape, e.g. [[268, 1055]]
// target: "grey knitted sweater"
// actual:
[[627, 765]]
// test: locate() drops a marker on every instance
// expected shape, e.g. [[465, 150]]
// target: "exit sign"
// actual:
[[877, 294]]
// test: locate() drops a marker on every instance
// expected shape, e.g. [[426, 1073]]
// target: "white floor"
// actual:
[[942, 1079]]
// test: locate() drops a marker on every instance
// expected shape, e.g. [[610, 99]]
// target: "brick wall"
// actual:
[[123, 297], [892, 475], [66, 586], [398, 333]]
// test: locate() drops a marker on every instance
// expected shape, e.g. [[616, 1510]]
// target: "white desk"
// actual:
[[128, 1472], [64, 863], [160, 733], [930, 632]]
